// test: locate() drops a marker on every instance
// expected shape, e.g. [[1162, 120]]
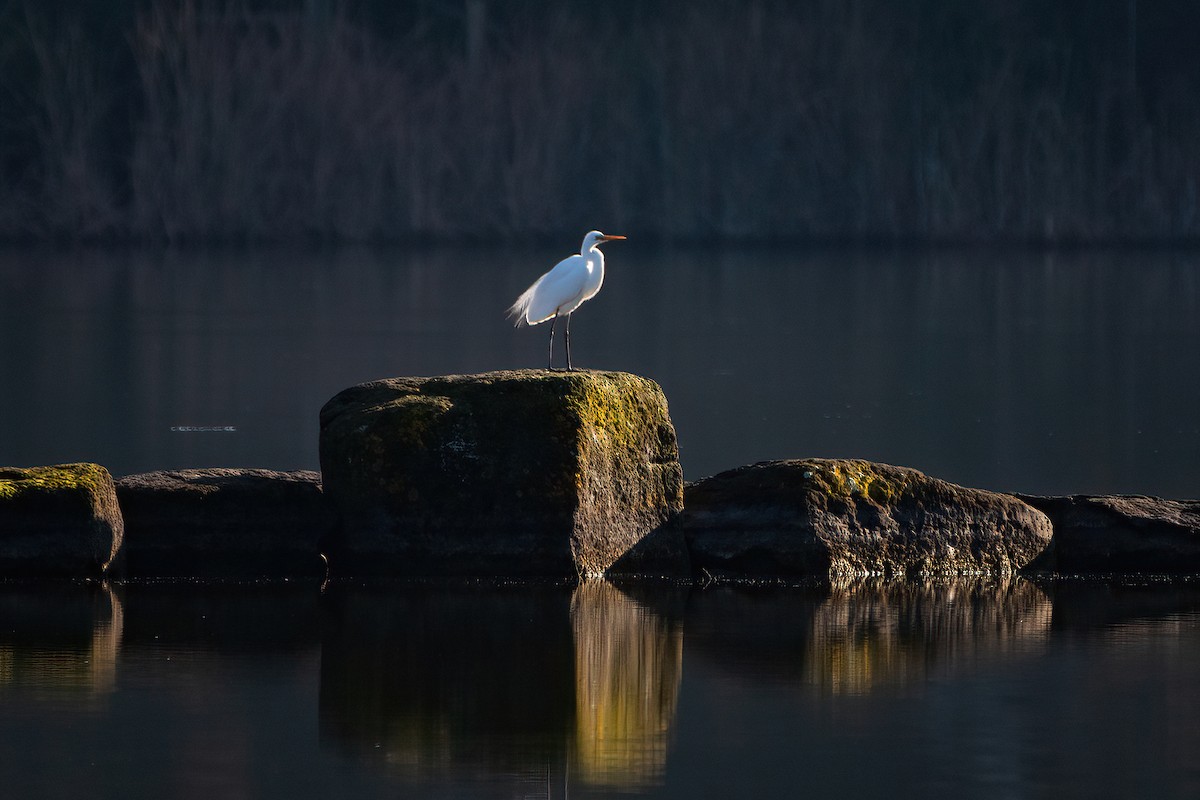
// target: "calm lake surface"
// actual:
[[1046, 373], [1036, 372], [984, 690]]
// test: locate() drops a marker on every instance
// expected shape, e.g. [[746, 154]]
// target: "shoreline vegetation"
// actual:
[[865, 121]]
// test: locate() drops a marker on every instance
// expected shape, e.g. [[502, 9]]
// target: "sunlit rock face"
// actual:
[[59, 521], [520, 473], [216, 523], [1121, 534], [837, 519]]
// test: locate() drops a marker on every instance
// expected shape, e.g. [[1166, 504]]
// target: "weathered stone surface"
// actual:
[[1121, 534], [58, 521], [208, 523], [521, 473], [842, 518]]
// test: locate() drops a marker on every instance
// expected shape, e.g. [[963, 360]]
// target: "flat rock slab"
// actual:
[[840, 519], [58, 521], [224, 523], [518, 473], [1121, 534]]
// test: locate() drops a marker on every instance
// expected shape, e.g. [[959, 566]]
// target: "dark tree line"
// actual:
[[921, 120]]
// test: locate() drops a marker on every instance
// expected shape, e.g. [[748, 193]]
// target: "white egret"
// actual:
[[563, 289]]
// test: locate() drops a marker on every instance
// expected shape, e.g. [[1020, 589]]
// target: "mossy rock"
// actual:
[[516, 473], [58, 521], [224, 523], [831, 518]]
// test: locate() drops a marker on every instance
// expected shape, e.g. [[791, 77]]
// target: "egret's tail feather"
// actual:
[[519, 310]]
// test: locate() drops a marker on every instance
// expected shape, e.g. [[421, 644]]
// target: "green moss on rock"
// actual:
[[58, 520], [15, 482]]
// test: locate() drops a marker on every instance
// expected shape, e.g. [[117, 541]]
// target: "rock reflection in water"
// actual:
[[859, 637], [434, 680], [512, 684], [64, 637], [870, 635], [628, 662]]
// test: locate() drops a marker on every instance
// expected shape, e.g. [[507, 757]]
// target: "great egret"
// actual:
[[563, 289]]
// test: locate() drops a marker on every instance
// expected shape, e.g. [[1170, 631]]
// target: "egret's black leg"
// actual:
[[550, 360], [567, 334]]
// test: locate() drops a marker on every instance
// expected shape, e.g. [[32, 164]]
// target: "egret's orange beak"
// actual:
[[607, 238]]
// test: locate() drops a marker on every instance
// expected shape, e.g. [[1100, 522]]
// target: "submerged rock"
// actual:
[[217, 523], [58, 521], [519, 473], [1121, 534], [841, 518]]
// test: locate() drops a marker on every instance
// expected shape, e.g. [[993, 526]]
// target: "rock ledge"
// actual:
[[224, 523], [1118, 534]]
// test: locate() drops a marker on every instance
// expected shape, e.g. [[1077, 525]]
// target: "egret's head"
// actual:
[[594, 238]]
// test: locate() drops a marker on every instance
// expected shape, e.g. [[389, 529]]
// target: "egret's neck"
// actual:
[[594, 258]]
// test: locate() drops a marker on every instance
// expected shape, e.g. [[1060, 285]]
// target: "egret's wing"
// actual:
[[556, 288]]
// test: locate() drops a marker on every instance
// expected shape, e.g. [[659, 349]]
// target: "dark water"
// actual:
[[985, 690], [1035, 372], [1048, 373]]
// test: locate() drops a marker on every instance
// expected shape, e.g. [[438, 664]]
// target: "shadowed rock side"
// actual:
[[214, 523], [59, 521], [1121, 534], [522, 473], [840, 519]]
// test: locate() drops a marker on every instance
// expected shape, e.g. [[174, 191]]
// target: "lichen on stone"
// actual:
[[16, 481], [857, 479]]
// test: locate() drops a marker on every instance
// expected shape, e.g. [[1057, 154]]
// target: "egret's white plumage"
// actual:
[[563, 289]]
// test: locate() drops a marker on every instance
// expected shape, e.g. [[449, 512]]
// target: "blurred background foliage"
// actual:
[[764, 120]]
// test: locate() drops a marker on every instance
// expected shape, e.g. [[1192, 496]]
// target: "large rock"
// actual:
[[59, 521], [216, 523], [525, 473], [844, 519], [1121, 534]]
